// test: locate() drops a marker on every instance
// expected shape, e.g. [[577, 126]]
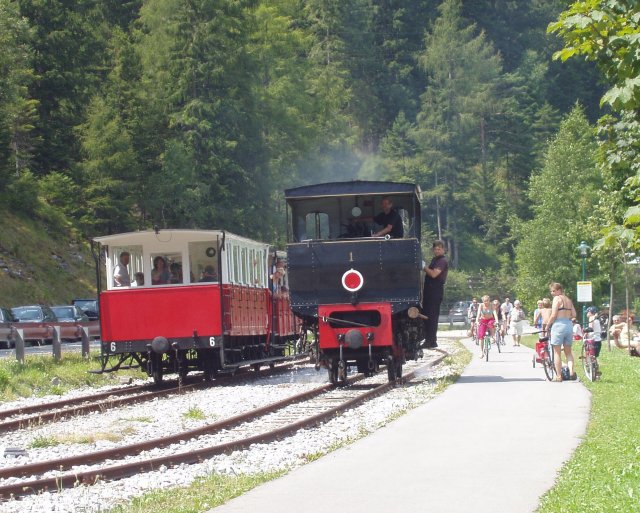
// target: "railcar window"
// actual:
[[252, 266], [261, 258], [317, 225], [166, 268], [136, 260], [243, 265], [236, 264], [203, 261]]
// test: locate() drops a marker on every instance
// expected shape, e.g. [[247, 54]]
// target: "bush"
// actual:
[[22, 193]]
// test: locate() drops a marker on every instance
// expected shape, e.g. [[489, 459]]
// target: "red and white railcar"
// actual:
[[204, 300]]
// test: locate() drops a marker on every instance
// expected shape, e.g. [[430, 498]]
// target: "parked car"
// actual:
[[36, 321], [89, 307], [6, 328], [459, 312], [72, 314], [71, 319]]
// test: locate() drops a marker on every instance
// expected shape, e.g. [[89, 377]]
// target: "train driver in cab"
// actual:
[[390, 221]]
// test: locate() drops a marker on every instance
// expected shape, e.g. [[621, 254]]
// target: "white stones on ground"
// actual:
[[150, 420]]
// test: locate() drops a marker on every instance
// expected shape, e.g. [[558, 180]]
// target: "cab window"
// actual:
[[317, 225]]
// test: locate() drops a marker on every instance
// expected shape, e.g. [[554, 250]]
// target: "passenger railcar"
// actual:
[[198, 300], [359, 294]]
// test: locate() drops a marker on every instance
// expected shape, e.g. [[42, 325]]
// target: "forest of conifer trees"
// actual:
[[122, 115]]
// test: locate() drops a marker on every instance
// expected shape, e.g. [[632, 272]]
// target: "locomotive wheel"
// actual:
[[392, 369], [333, 373], [398, 370]]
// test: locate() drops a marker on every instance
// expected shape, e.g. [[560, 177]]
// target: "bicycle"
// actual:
[[486, 345], [589, 359], [474, 331], [544, 355], [499, 339]]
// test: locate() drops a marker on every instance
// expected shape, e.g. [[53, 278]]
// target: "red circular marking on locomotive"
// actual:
[[352, 280]]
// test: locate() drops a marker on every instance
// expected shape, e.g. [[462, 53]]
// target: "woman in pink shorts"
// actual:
[[486, 320]]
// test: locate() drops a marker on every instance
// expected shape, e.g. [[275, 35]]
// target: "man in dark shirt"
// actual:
[[433, 292], [390, 221]]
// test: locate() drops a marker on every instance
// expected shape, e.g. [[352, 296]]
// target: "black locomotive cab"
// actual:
[[357, 290]]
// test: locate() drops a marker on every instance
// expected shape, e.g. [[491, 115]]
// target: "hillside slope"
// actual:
[[40, 265]]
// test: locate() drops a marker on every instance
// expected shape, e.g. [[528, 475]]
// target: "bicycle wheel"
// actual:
[[548, 364], [498, 340], [487, 346]]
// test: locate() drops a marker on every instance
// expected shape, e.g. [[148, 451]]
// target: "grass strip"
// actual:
[[41, 375], [604, 473]]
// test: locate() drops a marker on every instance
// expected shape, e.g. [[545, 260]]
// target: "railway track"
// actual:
[[39, 414], [262, 425]]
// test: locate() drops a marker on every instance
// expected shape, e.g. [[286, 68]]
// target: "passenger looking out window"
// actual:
[[160, 274], [121, 272]]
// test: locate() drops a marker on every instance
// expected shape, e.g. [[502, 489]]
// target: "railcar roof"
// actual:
[[140, 237], [352, 188]]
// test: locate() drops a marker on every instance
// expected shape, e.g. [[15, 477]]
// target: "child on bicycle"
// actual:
[[486, 320], [595, 334]]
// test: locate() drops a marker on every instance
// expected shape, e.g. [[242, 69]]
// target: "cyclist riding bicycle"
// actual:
[[486, 319], [472, 313]]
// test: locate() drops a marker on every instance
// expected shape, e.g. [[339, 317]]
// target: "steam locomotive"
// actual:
[[205, 300], [359, 294]]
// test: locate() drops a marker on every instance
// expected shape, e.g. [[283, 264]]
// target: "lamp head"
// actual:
[[583, 248]]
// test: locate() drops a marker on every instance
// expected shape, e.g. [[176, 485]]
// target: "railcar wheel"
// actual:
[[156, 368]]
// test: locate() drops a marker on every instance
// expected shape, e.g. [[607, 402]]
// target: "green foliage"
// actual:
[[43, 441], [60, 191], [563, 194], [23, 193], [17, 107], [606, 32], [194, 413]]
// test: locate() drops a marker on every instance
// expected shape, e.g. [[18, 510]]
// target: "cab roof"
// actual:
[[352, 188]]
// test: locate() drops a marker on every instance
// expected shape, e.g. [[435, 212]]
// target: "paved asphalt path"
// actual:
[[492, 442]]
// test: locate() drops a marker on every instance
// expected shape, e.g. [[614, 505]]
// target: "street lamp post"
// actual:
[[583, 248]]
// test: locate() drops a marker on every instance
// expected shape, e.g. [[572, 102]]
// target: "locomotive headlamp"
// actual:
[[352, 280], [354, 339]]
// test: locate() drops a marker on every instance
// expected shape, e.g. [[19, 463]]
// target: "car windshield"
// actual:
[[27, 314], [63, 312], [89, 304]]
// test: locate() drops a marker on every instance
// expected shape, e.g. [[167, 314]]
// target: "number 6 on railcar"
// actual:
[[193, 300], [358, 293]]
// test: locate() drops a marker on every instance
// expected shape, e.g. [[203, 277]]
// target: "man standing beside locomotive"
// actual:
[[433, 292]]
